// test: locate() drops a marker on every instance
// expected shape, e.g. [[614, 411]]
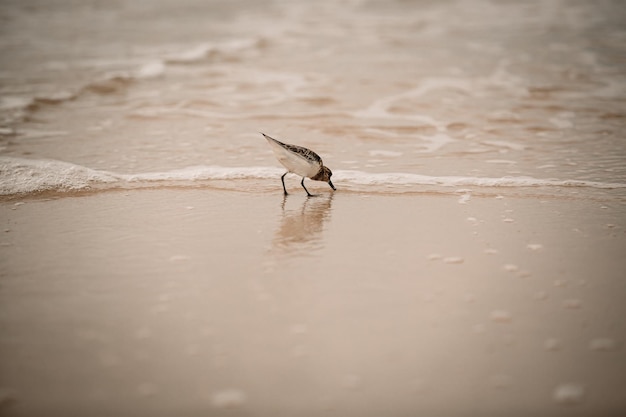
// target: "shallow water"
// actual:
[[465, 89], [470, 262]]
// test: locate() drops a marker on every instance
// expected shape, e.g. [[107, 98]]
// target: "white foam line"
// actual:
[[20, 176], [199, 173], [380, 108], [362, 178], [202, 51], [143, 70], [155, 112], [504, 144], [436, 142]]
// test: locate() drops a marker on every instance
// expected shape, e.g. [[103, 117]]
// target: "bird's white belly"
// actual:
[[294, 163]]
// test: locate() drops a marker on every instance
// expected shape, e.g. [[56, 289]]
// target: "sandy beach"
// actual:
[[209, 302]]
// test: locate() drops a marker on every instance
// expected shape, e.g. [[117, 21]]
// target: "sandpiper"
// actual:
[[301, 161]]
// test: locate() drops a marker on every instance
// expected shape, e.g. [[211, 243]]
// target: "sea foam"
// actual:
[[359, 177], [23, 176]]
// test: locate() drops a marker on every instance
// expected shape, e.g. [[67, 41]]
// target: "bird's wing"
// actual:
[[296, 159], [305, 153]]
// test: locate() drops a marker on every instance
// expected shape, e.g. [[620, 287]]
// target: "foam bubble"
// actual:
[[453, 260], [151, 70], [228, 398], [602, 344], [572, 304], [390, 154], [179, 258], [552, 344], [464, 198], [569, 394], [205, 50], [501, 316]]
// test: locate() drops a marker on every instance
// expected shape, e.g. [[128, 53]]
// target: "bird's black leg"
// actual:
[[307, 191], [283, 181]]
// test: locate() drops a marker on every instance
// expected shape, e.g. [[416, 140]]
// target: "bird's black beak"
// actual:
[[331, 185]]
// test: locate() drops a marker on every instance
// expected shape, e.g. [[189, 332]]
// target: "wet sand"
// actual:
[[195, 302]]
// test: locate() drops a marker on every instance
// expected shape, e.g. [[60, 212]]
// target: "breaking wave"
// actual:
[[115, 81], [20, 176]]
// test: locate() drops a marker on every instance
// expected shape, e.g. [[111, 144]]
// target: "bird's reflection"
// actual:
[[301, 228]]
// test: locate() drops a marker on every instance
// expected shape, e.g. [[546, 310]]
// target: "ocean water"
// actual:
[[396, 96]]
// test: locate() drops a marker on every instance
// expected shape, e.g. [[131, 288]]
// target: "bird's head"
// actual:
[[325, 176]]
